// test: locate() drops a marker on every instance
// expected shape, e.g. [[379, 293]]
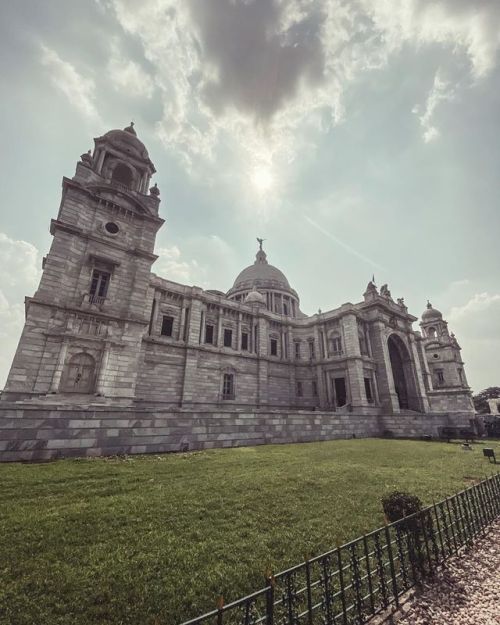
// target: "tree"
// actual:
[[480, 403]]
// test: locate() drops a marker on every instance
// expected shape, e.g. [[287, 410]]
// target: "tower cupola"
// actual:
[[122, 159]]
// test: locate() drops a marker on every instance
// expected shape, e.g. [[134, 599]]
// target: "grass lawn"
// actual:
[[154, 539]]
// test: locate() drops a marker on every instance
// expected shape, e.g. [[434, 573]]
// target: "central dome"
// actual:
[[261, 274], [270, 282]]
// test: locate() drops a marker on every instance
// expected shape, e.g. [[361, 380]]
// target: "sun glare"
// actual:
[[262, 178]]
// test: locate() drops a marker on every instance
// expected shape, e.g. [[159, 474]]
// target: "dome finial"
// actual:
[[429, 305], [261, 256], [131, 129]]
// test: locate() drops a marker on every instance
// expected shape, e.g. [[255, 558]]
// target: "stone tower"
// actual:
[[85, 323], [448, 383]]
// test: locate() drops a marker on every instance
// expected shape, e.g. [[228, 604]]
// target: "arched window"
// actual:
[[122, 174], [431, 333]]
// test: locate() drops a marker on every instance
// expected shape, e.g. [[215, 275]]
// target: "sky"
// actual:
[[357, 137]]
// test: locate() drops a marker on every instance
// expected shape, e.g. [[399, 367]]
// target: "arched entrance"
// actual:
[[80, 374], [401, 369]]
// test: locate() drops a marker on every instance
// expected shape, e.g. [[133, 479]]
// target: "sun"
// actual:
[[262, 178]]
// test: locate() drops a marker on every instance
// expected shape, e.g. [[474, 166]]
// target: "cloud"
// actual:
[[128, 76], [247, 75], [171, 267], [79, 91], [19, 264], [19, 275], [475, 323], [441, 91], [475, 307]]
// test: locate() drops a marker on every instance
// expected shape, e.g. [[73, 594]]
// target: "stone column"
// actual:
[[387, 391], [320, 381], [355, 365], [189, 384], [219, 341], [238, 332], [100, 161], [56, 379], [419, 381], [101, 377]]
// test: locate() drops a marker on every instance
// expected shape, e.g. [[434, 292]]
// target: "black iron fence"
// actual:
[[351, 583]]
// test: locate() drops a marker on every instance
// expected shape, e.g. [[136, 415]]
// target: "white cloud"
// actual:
[[476, 326], [171, 267], [441, 91], [128, 76], [19, 275], [19, 264], [246, 75], [79, 91], [479, 303]]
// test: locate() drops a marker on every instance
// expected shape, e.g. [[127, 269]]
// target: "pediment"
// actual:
[[122, 199]]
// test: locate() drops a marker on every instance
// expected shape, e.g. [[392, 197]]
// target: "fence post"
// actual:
[[308, 588], [369, 574], [270, 582], [450, 517], [220, 605], [391, 565], [342, 586], [439, 529]]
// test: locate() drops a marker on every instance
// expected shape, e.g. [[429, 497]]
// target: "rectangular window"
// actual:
[[297, 350], [209, 334], [228, 386], [337, 345], [228, 338], [244, 341], [311, 350], [285, 309], [440, 376], [368, 390], [299, 389], [314, 388], [274, 347], [167, 325], [100, 283], [340, 392]]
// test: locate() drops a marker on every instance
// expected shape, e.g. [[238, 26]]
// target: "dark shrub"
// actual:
[[398, 505]]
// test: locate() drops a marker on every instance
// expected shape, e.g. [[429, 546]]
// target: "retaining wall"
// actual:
[[32, 433]]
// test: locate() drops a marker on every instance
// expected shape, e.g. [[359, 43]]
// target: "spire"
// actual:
[[131, 129]]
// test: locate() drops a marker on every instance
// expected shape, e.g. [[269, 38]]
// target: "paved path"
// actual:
[[466, 592]]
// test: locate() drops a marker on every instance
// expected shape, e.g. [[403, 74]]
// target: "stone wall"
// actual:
[[34, 433]]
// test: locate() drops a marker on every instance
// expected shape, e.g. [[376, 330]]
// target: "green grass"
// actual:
[[154, 539]]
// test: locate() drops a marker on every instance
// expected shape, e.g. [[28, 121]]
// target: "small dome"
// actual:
[[127, 141], [431, 314], [254, 297]]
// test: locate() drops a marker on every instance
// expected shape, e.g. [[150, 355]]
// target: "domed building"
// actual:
[[116, 359], [270, 282]]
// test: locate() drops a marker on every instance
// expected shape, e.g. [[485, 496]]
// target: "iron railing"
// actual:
[[353, 582]]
